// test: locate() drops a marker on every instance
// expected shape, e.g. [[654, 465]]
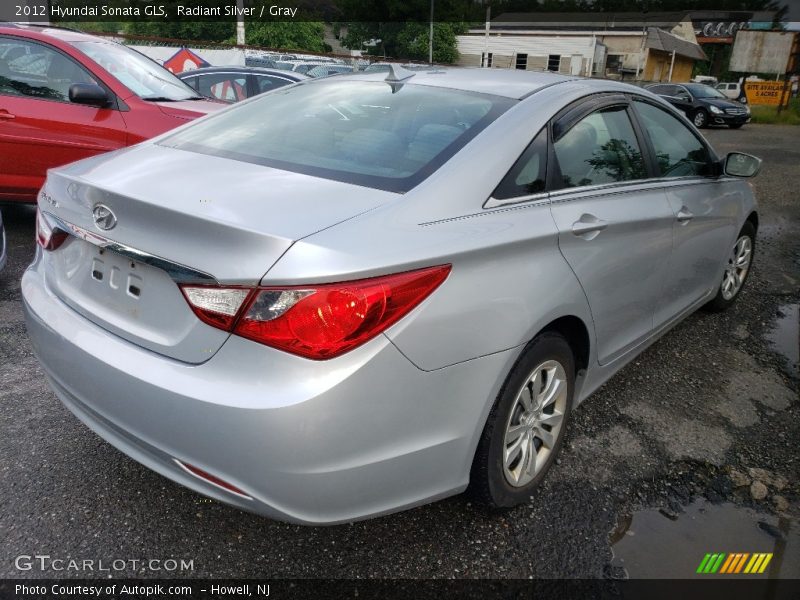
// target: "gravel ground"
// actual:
[[689, 419]]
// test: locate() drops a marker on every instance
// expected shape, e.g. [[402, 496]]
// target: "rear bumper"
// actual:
[[311, 442]]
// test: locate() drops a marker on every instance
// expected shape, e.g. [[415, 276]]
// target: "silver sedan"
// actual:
[[355, 295]]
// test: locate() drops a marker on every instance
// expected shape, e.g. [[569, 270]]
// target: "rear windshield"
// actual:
[[374, 134]]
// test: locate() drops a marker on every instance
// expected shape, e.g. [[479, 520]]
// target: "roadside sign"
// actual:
[[766, 92]]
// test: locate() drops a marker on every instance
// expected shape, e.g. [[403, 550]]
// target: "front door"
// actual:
[[704, 207], [39, 127]]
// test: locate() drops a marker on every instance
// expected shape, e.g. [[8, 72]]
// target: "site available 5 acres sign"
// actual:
[[766, 92]]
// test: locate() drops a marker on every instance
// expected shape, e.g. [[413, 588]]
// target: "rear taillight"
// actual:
[[46, 236], [315, 321]]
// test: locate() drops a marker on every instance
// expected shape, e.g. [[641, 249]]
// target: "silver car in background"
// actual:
[[359, 294]]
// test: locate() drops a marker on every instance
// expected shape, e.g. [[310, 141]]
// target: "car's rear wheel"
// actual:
[[700, 118], [737, 269], [525, 429]]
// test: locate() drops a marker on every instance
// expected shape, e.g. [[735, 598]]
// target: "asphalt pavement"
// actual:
[[708, 414]]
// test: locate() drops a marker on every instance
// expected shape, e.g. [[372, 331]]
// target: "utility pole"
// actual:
[[430, 38], [240, 38]]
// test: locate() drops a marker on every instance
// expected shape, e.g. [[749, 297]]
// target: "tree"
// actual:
[[206, 31], [413, 39], [289, 35]]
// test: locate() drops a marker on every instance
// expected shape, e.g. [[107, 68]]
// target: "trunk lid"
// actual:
[[227, 219]]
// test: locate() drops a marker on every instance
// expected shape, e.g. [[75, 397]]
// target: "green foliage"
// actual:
[[769, 114], [288, 35], [94, 26], [206, 31], [413, 41]]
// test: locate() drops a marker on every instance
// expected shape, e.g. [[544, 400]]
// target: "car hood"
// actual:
[[190, 109], [720, 103]]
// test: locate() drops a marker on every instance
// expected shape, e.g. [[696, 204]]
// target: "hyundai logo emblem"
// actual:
[[104, 218]]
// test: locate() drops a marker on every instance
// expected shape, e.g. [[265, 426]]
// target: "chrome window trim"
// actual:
[[493, 202], [177, 272]]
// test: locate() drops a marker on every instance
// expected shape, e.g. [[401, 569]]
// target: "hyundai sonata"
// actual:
[[355, 295]]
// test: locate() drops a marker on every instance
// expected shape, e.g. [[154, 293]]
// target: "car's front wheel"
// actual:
[[737, 269], [526, 426], [700, 118]]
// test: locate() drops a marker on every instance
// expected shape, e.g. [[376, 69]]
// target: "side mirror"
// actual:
[[90, 94], [738, 164]]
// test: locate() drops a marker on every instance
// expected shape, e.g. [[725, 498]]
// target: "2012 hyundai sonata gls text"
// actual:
[[356, 295]]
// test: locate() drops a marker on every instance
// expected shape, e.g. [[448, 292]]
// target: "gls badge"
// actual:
[[104, 218]]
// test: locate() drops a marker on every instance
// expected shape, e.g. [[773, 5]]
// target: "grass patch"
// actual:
[[769, 114]]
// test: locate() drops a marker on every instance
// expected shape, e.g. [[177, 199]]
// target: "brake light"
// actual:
[[46, 236], [316, 321]]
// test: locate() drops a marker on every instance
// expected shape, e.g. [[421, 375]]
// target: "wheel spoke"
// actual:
[[513, 450], [526, 395], [513, 433], [548, 440], [528, 462], [553, 420], [554, 388]]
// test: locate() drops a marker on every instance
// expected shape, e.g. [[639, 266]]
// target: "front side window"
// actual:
[[33, 70], [145, 78], [678, 151], [369, 133], [600, 148]]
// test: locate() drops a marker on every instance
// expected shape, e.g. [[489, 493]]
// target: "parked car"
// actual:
[[703, 105], [732, 91], [66, 96], [232, 84], [327, 70], [389, 290], [2, 243]]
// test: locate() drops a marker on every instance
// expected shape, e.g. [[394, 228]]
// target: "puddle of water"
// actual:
[[652, 545], [784, 338]]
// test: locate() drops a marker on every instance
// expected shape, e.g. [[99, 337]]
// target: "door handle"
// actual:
[[684, 215], [4, 114], [588, 226]]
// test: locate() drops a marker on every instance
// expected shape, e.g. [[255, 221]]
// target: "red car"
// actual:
[[65, 96]]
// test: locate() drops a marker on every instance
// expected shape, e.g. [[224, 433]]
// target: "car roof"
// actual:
[[511, 83], [240, 69], [45, 31]]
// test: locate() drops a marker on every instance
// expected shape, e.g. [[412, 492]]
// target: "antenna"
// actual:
[[398, 74]]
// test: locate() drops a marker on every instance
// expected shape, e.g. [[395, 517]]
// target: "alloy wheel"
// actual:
[[535, 422], [737, 267]]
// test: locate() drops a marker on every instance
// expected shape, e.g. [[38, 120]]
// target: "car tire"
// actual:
[[700, 118], [728, 290], [735, 125], [544, 371]]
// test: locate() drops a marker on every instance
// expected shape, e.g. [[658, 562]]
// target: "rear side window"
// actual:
[[678, 151], [529, 173], [368, 133], [600, 148]]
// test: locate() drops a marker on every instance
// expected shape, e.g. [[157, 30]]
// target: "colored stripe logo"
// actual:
[[734, 563]]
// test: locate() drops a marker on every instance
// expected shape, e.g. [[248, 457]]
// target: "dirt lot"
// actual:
[[699, 435]]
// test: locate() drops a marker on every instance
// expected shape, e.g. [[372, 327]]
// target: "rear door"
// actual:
[[39, 127], [705, 208], [614, 222]]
